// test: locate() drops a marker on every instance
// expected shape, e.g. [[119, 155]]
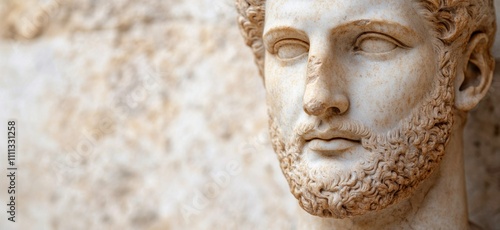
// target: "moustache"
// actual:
[[346, 129]]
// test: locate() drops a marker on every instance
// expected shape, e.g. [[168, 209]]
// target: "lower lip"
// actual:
[[332, 146]]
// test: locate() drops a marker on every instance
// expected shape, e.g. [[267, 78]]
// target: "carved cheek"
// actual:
[[284, 86], [420, 76], [414, 83], [387, 92]]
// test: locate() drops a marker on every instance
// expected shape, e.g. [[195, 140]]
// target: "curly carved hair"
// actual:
[[455, 21]]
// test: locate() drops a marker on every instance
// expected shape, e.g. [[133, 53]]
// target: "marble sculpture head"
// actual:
[[363, 95]]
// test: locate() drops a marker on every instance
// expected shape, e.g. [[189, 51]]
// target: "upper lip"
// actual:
[[330, 135]]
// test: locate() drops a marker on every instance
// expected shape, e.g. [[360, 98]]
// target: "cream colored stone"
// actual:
[[367, 103], [92, 59]]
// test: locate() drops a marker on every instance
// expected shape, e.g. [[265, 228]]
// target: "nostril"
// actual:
[[339, 104], [336, 110]]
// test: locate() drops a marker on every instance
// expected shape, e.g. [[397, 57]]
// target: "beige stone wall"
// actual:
[[149, 115]]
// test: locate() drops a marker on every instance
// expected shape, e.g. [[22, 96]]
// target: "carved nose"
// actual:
[[323, 103], [323, 95]]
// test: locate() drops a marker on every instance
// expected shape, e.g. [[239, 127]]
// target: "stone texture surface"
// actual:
[[150, 115]]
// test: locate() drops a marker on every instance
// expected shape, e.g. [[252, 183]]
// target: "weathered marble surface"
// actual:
[[130, 110]]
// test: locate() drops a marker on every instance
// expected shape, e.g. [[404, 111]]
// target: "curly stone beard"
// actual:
[[399, 160]]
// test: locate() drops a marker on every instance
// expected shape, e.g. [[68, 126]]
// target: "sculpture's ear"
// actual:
[[474, 79]]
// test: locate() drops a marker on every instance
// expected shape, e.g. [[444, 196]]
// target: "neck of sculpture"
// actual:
[[440, 202]]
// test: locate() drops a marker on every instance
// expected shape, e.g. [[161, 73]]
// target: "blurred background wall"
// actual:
[[150, 114]]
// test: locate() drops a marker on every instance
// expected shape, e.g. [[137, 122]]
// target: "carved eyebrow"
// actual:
[[384, 27], [277, 33]]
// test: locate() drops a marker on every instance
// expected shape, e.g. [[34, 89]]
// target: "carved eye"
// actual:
[[376, 43], [290, 49]]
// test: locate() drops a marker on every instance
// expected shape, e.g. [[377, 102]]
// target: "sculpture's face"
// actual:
[[360, 106], [371, 60]]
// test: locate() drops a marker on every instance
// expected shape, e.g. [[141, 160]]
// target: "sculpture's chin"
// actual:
[[398, 162]]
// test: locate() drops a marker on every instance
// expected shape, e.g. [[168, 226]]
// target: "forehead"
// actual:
[[311, 15]]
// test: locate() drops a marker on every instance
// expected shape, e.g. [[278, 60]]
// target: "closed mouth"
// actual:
[[332, 143], [332, 135]]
